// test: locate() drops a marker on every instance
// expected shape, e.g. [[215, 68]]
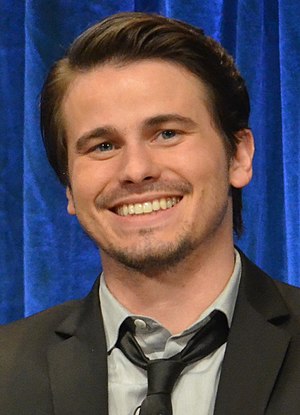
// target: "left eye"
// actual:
[[167, 134], [106, 146]]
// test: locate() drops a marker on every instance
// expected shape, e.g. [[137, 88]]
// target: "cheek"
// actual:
[[205, 166], [89, 178]]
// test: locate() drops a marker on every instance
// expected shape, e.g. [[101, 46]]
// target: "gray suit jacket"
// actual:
[[54, 363]]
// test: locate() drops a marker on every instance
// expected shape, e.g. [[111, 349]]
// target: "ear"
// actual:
[[240, 170], [71, 206]]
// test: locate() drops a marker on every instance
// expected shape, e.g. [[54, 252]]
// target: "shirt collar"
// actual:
[[114, 313]]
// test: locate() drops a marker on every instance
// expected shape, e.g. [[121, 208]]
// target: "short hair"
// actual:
[[129, 37]]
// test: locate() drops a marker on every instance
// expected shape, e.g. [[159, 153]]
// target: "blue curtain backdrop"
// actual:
[[44, 256]]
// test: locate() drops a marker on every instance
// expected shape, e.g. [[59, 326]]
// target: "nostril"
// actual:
[[131, 181]]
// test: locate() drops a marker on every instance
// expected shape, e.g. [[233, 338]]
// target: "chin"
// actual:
[[151, 261]]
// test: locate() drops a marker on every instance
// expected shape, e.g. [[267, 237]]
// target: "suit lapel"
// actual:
[[77, 362], [256, 346]]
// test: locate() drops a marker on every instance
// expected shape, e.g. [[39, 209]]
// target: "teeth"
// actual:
[[155, 205], [148, 207], [163, 204], [138, 209], [169, 203], [130, 209]]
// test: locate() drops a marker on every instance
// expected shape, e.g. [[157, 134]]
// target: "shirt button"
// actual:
[[140, 324]]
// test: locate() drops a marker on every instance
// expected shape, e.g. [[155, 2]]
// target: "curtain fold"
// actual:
[[11, 161], [289, 70], [45, 258]]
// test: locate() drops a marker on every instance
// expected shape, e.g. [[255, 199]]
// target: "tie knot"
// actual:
[[162, 375]]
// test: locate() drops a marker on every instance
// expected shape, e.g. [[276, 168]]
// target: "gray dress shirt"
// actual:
[[195, 391]]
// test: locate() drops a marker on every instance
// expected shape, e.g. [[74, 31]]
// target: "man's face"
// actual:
[[149, 174]]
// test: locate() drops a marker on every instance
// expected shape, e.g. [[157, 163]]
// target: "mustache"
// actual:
[[112, 197]]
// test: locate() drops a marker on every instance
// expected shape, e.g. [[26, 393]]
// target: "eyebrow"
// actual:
[[164, 118], [104, 132], [108, 131]]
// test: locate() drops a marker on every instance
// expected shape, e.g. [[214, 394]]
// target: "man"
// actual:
[[145, 122]]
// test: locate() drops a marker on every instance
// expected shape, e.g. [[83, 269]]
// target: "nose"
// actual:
[[139, 163]]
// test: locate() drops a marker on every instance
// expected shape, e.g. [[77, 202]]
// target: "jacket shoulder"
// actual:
[[268, 294], [36, 329], [290, 295]]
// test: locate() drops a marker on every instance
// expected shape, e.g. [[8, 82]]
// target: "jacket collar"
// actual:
[[78, 363], [256, 345]]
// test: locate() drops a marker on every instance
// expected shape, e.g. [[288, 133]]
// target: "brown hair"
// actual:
[[129, 37]]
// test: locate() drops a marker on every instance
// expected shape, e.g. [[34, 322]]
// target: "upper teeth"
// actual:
[[147, 207]]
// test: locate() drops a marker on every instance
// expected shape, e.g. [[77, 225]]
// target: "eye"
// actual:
[[105, 146], [103, 150], [167, 134]]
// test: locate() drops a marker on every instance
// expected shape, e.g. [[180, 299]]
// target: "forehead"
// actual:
[[122, 76], [130, 92]]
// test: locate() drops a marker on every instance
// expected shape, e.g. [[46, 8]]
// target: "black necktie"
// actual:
[[163, 373]]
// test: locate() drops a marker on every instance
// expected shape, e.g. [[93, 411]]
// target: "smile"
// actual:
[[147, 207]]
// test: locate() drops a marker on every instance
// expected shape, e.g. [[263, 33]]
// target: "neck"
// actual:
[[177, 297]]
